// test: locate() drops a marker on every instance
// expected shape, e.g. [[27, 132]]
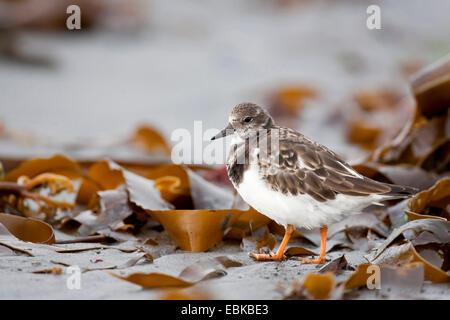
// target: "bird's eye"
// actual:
[[247, 119]]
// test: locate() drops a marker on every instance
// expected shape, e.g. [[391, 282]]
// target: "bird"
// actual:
[[294, 180]]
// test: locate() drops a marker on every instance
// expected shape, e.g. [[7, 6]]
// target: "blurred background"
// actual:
[[314, 64]]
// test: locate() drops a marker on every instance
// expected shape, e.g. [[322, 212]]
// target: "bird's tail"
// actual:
[[400, 192]]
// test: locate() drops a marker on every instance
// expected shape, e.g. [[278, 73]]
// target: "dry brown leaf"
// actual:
[[319, 286], [173, 182], [415, 216], [364, 220], [394, 277], [188, 190], [208, 268], [290, 99], [314, 286], [267, 240], [92, 229], [107, 175], [431, 87], [7, 246], [149, 139], [363, 133], [406, 253], [15, 195], [57, 164], [359, 277], [366, 114], [379, 99], [193, 230], [112, 208], [405, 280], [75, 250], [196, 230], [201, 270], [439, 159], [87, 189], [234, 234], [251, 220], [298, 251], [334, 265], [185, 294], [28, 229], [200, 229], [103, 175], [432, 202], [133, 261], [154, 280], [259, 239], [142, 191], [422, 142], [150, 241], [88, 239], [54, 270], [440, 229], [206, 195], [435, 253]]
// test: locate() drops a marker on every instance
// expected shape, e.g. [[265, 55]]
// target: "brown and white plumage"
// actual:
[[295, 170], [294, 180], [306, 167]]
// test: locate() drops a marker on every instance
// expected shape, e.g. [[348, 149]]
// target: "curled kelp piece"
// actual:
[[440, 229], [289, 100], [196, 230], [420, 143], [57, 164], [27, 229], [404, 253], [17, 194], [431, 88], [150, 140], [202, 270], [315, 286], [111, 209], [433, 202], [424, 141], [173, 182]]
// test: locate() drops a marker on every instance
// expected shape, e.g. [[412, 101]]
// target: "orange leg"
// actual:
[[280, 252], [323, 246]]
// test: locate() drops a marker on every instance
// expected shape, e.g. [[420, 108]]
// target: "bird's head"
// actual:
[[245, 120]]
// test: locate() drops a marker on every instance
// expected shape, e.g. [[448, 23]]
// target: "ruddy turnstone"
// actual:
[[293, 180]]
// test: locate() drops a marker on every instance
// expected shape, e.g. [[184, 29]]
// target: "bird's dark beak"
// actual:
[[225, 132]]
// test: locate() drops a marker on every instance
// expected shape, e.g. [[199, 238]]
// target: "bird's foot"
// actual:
[[315, 261], [267, 256]]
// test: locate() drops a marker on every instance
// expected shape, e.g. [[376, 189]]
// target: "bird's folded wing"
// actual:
[[301, 166]]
